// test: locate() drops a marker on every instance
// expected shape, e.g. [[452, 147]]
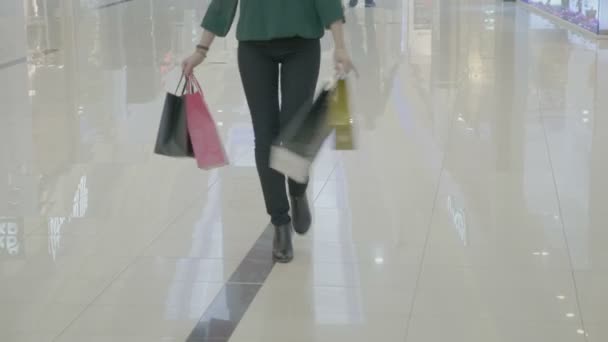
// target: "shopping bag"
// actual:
[[173, 139], [299, 143], [340, 117], [344, 138], [207, 145], [339, 109]]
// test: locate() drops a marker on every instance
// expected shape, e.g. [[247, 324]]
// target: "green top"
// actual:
[[272, 19]]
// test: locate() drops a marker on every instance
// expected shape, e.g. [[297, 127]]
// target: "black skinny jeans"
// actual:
[[293, 64]]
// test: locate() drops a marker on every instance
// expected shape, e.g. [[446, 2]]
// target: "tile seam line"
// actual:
[[122, 271], [563, 224], [430, 226], [316, 197]]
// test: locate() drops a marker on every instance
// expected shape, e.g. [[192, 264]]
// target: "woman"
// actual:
[[279, 46]]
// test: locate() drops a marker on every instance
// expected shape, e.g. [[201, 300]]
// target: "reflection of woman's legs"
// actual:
[[260, 77]]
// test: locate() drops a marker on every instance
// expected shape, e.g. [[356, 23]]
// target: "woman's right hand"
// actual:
[[343, 64], [192, 62]]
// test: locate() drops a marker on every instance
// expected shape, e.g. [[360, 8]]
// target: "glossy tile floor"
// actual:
[[473, 210]]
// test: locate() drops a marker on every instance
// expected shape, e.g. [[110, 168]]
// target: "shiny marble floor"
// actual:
[[473, 210]]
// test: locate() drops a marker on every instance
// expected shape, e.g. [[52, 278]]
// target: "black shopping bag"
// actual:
[[299, 143], [173, 139]]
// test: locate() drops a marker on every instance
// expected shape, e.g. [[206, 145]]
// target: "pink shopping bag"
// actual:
[[207, 145]]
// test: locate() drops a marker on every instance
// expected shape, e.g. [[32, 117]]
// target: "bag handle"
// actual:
[[181, 79], [195, 85]]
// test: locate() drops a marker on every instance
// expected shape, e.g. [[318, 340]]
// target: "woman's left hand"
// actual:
[[344, 65]]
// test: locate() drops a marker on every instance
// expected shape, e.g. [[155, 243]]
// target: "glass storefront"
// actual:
[[584, 13]]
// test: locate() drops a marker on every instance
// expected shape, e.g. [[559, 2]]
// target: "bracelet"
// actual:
[[201, 52], [202, 47]]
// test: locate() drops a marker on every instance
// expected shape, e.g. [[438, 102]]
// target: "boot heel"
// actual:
[[282, 247], [300, 211]]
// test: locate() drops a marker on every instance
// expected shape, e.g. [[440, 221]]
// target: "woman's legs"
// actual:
[[259, 68]]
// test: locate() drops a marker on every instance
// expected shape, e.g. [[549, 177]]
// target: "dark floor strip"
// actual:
[[112, 4], [228, 308], [12, 63]]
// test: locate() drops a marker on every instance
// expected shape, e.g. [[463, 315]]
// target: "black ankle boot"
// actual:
[[282, 248], [300, 212]]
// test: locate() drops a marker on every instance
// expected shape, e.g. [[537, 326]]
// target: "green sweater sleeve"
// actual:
[[330, 11], [219, 16]]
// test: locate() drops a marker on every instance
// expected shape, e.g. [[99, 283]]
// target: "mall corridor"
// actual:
[[473, 210]]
